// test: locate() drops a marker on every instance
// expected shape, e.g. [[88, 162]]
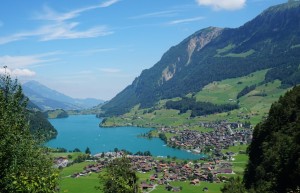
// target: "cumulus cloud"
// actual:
[[18, 72], [223, 4], [14, 62]]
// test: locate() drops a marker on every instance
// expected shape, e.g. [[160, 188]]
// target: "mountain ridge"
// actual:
[[269, 41], [49, 99]]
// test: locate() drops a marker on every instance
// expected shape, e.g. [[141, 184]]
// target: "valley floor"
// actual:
[[156, 173]]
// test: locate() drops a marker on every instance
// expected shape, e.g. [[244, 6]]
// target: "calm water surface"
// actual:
[[82, 131]]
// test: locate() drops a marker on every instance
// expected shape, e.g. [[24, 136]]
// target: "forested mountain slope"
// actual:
[[269, 41]]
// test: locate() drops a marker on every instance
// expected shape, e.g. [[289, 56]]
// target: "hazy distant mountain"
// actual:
[[269, 41], [48, 99]]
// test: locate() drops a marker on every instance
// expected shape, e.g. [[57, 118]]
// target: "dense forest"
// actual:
[[199, 108], [39, 125], [274, 154]]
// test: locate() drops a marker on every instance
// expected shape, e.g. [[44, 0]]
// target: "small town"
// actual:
[[161, 172], [223, 136]]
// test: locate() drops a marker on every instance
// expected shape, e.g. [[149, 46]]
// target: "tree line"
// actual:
[[199, 108]]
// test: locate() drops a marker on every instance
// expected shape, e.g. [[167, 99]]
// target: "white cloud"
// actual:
[[223, 4], [57, 31], [58, 27], [188, 20], [18, 72], [110, 70], [15, 62], [52, 15], [156, 14], [109, 3], [67, 31]]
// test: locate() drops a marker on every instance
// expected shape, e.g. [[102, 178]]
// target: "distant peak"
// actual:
[[33, 82]]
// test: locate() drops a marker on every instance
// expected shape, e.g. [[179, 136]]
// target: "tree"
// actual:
[[118, 177], [87, 151], [76, 150], [234, 185], [274, 159], [25, 165]]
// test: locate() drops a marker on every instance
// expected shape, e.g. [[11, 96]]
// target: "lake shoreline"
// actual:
[[82, 131]]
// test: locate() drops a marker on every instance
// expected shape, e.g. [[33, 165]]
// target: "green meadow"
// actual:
[[87, 184], [254, 106]]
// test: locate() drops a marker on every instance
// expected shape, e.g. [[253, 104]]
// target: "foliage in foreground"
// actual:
[[234, 185], [274, 159], [25, 166], [119, 177]]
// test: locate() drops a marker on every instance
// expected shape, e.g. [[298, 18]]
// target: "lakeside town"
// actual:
[[214, 167], [222, 136]]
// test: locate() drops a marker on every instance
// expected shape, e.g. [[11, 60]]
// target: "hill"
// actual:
[[40, 126], [269, 41], [48, 99], [253, 106]]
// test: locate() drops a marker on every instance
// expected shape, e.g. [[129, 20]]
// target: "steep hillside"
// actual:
[[48, 99], [40, 126], [270, 41], [274, 152], [253, 106]]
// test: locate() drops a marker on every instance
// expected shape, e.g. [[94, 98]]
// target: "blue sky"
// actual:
[[96, 48]]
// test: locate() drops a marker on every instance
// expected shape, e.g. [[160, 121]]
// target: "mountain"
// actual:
[[269, 41], [48, 99]]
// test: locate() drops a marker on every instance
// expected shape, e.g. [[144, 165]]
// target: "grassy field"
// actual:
[[87, 184], [188, 188], [252, 106], [84, 184]]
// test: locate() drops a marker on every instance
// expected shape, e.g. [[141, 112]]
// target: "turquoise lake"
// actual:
[[82, 131]]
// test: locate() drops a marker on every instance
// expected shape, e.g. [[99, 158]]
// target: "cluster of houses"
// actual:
[[61, 162], [92, 168], [163, 172], [222, 136]]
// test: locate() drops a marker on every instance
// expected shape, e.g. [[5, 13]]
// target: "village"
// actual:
[[210, 168], [221, 137], [161, 171]]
